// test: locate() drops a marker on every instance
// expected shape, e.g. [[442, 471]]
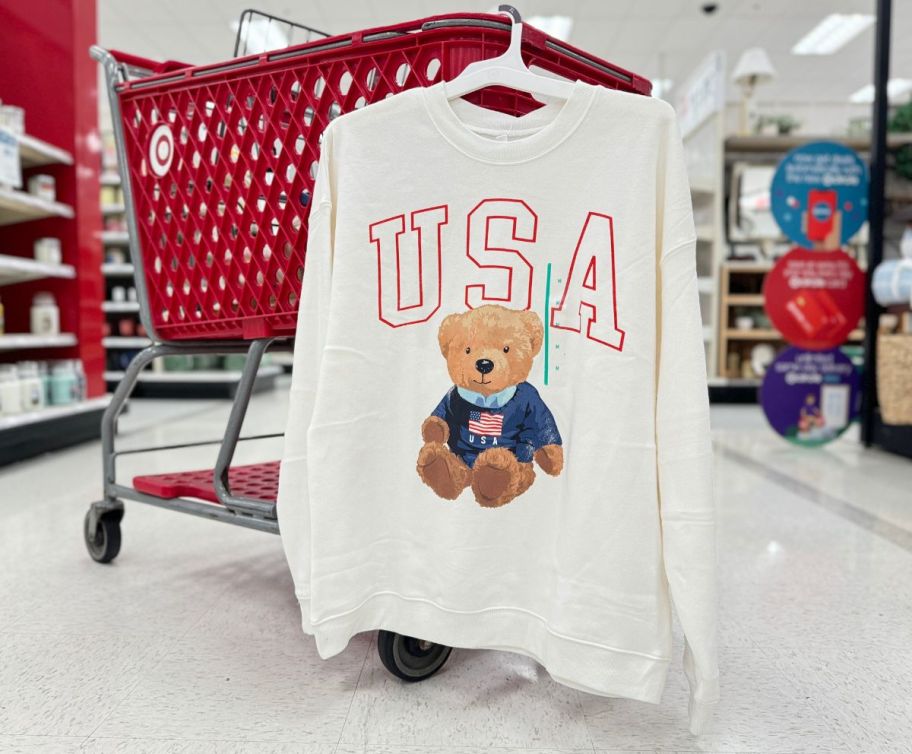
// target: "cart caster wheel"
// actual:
[[103, 543], [410, 659]]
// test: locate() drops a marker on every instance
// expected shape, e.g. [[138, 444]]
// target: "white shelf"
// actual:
[[115, 237], [195, 375], [706, 233], [109, 178], [706, 284], [22, 269], [734, 381], [113, 209], [35, 152], [19, 207], [116, 269], [708, 333], [119, 306], [282, 358], [122, 341], [702, 188], [52, 412], [20, 341]]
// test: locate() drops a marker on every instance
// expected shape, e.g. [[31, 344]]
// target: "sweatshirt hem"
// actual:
[[578, 663]]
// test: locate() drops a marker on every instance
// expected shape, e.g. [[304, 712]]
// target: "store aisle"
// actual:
[[190, 641]]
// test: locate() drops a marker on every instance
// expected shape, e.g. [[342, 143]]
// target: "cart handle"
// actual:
[[146, 64]]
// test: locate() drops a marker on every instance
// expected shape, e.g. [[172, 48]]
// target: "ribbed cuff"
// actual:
[[704, 695], [701, 707]]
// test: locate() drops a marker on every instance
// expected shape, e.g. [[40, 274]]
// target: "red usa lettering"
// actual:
[[409, 271]]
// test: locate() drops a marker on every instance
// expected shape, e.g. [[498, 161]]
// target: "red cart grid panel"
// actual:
[[222, 161]]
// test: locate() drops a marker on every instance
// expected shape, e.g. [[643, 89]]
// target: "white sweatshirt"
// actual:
[[548, 492]]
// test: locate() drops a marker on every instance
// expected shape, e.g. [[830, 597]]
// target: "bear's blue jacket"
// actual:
[[527, 425]]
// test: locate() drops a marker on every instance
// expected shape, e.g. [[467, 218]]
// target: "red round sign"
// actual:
[[814, 298]]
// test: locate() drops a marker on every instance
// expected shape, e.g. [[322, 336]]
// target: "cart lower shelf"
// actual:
[[259, 481]]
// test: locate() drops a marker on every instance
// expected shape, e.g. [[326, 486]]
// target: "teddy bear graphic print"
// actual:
[[491, 424]]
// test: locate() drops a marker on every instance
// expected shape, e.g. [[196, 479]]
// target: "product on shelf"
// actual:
[[12, 118], [2, 318], [43, 186], [48, 250], [45, 316], [10, 391], [67, 382], [31, 385]]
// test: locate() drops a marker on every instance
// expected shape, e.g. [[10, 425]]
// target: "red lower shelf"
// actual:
[[259, 481]]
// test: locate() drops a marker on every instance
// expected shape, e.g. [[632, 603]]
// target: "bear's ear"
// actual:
[[534, 329], [448, 330]]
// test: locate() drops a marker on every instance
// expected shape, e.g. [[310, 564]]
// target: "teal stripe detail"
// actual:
[[547, 319]]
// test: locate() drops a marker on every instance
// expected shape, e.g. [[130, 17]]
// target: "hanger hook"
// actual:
[[511, 11]]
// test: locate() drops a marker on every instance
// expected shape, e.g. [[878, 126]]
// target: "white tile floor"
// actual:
[[190, 641]]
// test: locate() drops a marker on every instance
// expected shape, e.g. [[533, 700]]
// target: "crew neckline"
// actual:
[[470, 128]]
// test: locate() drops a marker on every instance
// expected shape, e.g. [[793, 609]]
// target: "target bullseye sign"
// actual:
[[161, 150]]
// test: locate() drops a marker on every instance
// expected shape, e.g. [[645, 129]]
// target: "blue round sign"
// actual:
[[819, 195]]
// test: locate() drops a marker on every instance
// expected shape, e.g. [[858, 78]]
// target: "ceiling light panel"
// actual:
[[832, 33]]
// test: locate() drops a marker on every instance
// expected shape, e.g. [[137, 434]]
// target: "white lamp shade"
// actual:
[[754, 67]]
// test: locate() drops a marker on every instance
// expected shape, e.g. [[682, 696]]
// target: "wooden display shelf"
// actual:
[[745, 299], [774, 335], [759, 143], [21, 269], [19, 207], [34, 153], [23, 341]]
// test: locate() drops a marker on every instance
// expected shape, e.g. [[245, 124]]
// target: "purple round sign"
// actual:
[[810, 397]]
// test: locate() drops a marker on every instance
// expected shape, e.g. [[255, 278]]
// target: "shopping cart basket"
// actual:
[[217, 165]]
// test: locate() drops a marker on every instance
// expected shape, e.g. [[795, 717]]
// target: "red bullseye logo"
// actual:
[[161, 150]]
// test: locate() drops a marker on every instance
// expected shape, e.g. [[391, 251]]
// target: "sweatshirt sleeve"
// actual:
[[684, 449], [310, 336]]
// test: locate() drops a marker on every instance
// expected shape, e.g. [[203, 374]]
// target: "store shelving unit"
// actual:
[[197, 383], [35, 153], [703, 130], [60, 141], [25, 434], [741, 285], [27, 341], [117, 270], [21, 270], [120, 307], [19, 207]]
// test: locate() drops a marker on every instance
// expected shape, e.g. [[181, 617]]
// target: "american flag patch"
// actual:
[[485, 423]]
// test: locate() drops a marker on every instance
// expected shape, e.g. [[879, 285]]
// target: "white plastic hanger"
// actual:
[[507, 70]]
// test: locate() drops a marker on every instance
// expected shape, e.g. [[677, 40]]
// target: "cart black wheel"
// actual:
[[103, 543], [410, 659]]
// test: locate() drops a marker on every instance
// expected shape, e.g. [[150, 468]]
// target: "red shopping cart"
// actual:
[[217, 165]]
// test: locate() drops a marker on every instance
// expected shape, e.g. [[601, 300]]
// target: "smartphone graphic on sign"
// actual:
[[821, 213]]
